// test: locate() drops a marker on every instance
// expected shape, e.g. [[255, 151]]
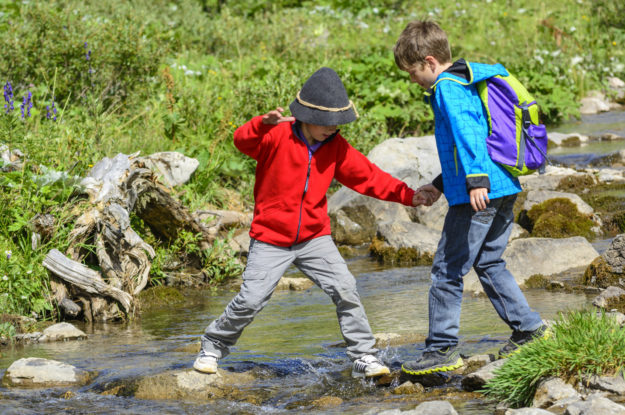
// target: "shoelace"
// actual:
[[365, 361]]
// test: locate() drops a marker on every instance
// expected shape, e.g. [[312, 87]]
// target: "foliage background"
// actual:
[[182, 75]]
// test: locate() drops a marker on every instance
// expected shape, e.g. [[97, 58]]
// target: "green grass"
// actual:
[[182, 75], [582, 343]]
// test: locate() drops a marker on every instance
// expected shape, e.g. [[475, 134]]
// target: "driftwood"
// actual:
[[117, 188], [84, 278]]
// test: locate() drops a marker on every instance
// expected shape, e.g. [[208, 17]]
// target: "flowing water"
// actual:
[[294, 342]]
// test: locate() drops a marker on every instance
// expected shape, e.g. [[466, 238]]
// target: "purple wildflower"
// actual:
[[8, 97], [51, 111], [27, 104]]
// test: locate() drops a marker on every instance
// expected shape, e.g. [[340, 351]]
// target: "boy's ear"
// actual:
[[432, 62]]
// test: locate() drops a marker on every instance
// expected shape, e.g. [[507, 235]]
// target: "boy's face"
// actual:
[[423, 74], [317, 132]]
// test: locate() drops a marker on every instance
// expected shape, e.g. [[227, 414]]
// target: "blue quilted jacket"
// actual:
[[461, 130]]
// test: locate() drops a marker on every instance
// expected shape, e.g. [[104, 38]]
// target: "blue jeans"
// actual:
[[475, 239]]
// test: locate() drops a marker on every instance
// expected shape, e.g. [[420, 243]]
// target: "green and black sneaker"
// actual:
[[520, 338], [443, 360]]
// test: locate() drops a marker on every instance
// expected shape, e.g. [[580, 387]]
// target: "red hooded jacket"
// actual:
[[290, 189]]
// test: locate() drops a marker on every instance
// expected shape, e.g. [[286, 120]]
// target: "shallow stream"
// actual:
[[293, 341]]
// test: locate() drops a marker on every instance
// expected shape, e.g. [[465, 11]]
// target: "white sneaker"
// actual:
[[369, 366], [205, 363]]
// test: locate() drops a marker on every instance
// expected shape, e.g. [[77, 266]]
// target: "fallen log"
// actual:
[[84, 278]]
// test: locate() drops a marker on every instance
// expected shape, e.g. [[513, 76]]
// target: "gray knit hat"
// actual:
[[323, 100]]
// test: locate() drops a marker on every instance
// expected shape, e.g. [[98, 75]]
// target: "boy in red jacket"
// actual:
[[297, 158]]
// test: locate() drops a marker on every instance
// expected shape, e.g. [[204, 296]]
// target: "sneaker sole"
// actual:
[[203, 369], [428, 371], [381, 372]]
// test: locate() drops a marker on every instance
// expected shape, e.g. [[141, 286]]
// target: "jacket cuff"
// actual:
[[478, 180], [438, 183]]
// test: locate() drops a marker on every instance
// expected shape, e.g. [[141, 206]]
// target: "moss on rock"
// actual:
[[558, 218], [389, 255], [536, 281], [600, 274]]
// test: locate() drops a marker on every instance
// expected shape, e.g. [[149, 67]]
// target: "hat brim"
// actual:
[[320, 117]]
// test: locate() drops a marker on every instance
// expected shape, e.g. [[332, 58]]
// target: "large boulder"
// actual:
[[355, 217], [550, 180], [545, 256], [34, 372]]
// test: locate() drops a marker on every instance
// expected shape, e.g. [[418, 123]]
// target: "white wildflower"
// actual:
[[576, 59]]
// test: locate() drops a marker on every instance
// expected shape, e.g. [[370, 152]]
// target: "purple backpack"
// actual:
[[516, 140]]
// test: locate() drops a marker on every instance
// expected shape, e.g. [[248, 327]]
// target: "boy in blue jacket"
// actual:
[[480, 194]]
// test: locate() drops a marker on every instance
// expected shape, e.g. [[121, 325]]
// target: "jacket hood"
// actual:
[[476, 72]]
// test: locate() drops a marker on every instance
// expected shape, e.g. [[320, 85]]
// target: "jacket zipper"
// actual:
[[301, 206]]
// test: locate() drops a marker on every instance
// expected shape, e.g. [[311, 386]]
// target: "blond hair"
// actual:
[[418, 40]]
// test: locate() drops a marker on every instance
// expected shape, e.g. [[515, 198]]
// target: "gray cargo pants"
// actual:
[[319, 260]]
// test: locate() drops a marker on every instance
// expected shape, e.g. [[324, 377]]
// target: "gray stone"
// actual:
[[547, 256], [34, 372], [550, 179], [433, 408], [603, 299], [551, 390], [615, 254], [566, 138], [595, 405], [611, 384], [61, 332], [478, 379], [406, 234]]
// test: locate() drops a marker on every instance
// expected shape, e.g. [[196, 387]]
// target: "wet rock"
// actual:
[[595, 405], [171, 167], [327, 402], [405, 243], [294, 284], [477, 362], [528, 256], [408, 388], [552, 390], [189, 384], [478, 379], [34, 372], [349, 231], [62, 332], [433, 407], [615, 254], [243, 239], [611, 297]]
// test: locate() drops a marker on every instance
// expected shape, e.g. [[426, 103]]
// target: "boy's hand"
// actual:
[[275, 117], [428, 194], [479, 198]]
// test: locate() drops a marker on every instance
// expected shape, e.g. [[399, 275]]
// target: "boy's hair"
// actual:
[[418, 40]]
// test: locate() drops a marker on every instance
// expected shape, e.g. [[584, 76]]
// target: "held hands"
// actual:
[[275, 117], [479, 198], [426, 195]]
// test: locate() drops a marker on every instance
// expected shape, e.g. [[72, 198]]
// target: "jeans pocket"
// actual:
[[254, 274]]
